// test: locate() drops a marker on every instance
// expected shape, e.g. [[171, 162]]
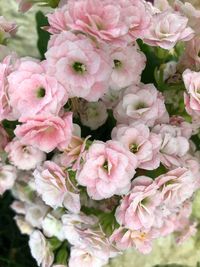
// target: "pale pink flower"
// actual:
[[81, 67], [162, 5], [40, 249], [93, 114], [137, 209], [189, 11], [176, 186], [192, 98], [46, 132], [75, 224], [141, 142], [24, 5], [186, 128], [103, 20], [4, 138], [6, 67], [129, 63], [107, 170], [55, 187], [188, 232], [7, 28], [52, 226], [141, 103], [8, 174], [22, 156], [85, 258], [174, 144], [124, 239], [167, 28], [32, 92], [191, 56]]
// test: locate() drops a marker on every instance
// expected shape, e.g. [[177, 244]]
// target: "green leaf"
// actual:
[[62, 255], [43, 36], [55, 243]]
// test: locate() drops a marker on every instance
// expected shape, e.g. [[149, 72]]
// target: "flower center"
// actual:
[[41, 92], [144, 201], [134, 148], [79, 67], [140, 105], [105, 165], [118, 63]]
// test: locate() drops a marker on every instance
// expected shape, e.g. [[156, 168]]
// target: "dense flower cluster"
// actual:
[[82, 198]]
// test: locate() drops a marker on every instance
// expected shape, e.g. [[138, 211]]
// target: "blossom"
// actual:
[[22, 156], [55, 187], [141, 142], [129, 63], [142, 103], [176, 186], [52, 226], [103, 20], [32, 92], [81, 67], [40, 249], [93, 114], [46, 132], [24, 5], [85, 258], [7, 28], [107, 170], [141, 240], [8, 174], [174, 144], [137, 209], [192, 98], [167, 28]]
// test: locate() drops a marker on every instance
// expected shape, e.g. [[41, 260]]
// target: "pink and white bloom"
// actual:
[[93, 114], [40, 249], [81, 67], [55, 187], [103, 20], [46, 132], [84, 257], [129, 63], [167, 28], [22, 156], [32, 92], [24, 5], [141, 142], [124, 239], [192, 98], [176, 186], [137, 209], [8, 175], [174, 144], [107, 170], [7, 28], [142, 104]]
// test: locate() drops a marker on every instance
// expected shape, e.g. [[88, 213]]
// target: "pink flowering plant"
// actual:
[[99, 138]]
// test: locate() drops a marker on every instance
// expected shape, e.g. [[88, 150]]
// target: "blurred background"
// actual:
[[14, 250]]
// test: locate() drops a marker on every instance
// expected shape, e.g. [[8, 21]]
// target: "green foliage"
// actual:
[[43, 36]]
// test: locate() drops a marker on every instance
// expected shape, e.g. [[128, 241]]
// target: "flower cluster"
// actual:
[[83, 196]]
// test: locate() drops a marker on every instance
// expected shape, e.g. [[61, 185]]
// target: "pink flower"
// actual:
[[6, 67], [143, 144], [174, 144], [107, 170], [141, 240], [137, 209], [46, 132], [103, 20], [192, 98], [24, 5], [8, 174], [81, 67], [7, 28], [129, 63], [176, 186], [143, 104], [32, 92], [22, 156], [167, 29], [85, 258], [55, 187]]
